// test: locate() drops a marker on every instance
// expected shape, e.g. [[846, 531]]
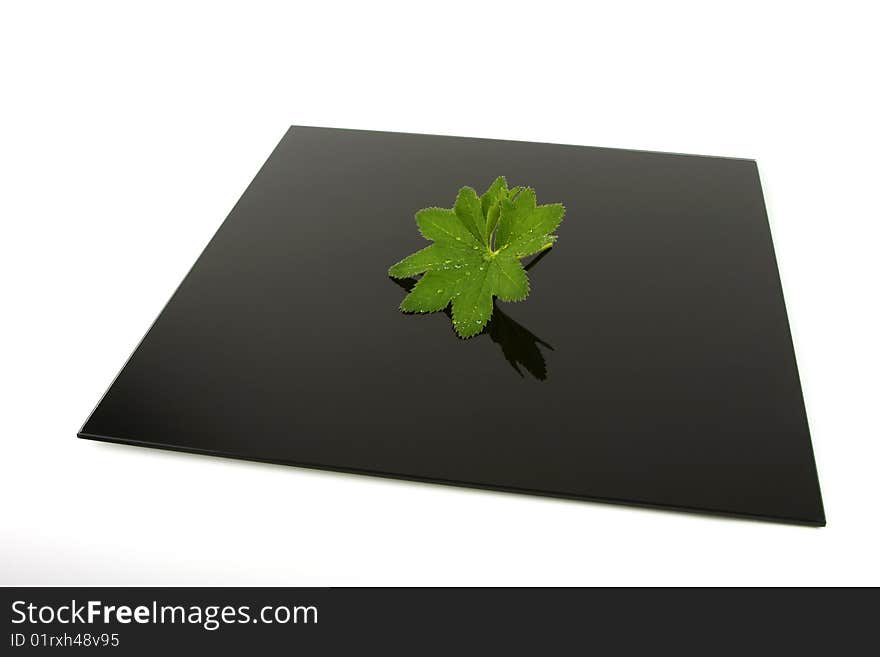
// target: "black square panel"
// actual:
[[652, 363]]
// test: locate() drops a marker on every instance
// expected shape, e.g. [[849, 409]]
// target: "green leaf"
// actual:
[[470, 213], [442, 224], [491, 203], [435, 256], [526, 228], [463, 266], [510, 282], [514, 214], [492, 217], [532, 246], [497, 190]]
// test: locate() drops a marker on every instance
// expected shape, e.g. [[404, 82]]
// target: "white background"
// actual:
[[127, 134]]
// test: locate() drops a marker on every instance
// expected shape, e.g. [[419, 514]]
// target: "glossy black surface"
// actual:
[[652, 363]]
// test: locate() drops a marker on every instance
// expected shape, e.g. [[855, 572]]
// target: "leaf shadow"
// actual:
[[518, 345]]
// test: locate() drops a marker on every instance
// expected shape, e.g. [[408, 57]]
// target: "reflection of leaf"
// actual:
[[518, 344], [475, 254]]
